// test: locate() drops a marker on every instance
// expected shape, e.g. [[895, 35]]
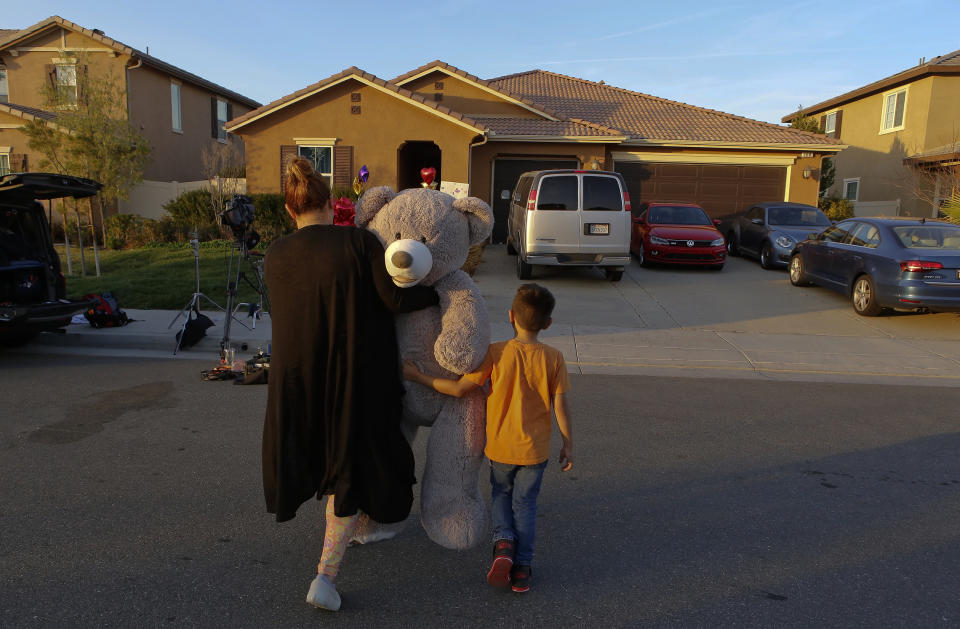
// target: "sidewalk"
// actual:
[[603, 327]]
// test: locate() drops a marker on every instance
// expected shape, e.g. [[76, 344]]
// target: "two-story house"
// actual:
[[179, 113], [901, 132]]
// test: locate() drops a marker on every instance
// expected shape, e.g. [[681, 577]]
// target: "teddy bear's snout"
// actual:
[[408, 261], [402, 260]]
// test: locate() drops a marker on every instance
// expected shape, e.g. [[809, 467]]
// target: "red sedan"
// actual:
[[676, 233]]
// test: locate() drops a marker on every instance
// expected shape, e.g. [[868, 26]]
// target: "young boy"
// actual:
[[526, 377]]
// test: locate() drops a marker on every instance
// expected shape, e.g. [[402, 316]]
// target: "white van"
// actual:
[[570, 218]]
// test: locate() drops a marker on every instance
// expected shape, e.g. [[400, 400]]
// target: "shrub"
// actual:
[[272, 220], [193, 209], [836, 209]]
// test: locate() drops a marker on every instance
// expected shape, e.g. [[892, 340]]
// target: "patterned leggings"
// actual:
[[335, 540]]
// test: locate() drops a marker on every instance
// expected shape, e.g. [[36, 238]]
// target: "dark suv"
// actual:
[[32, 288]]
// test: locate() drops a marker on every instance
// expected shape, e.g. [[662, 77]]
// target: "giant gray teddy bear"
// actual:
[[427, 235]]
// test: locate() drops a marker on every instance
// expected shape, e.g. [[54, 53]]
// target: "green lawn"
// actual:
[[155, 278]]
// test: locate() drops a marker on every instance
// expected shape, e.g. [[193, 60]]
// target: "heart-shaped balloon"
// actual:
[[428, 174]]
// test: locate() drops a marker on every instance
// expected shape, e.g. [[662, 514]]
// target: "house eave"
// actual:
[[578, 139], [360, 79], [762, 146]]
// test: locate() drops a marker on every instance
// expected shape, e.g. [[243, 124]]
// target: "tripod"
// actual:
[[238, 253], [195, 299]]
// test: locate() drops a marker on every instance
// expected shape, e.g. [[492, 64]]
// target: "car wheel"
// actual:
[[864, 297], [641, 256], [612, 275], [510, 250], [766, 256], [733, 248], [798, 277], [524, 270]]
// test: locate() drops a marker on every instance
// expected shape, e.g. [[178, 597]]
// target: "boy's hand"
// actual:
[[566, 458], [410, 371]]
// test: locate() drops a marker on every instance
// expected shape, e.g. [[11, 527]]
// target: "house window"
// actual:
[[221, 120], [175, 120], [4, 91], [322, 159], [4, 164], [894, 105], [66, 83], [830, 124], [851, 189]]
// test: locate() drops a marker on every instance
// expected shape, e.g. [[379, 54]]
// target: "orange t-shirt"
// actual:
[[524, 377]]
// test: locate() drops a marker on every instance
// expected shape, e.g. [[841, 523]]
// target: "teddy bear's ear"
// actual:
[[371, 202], [479, 217]]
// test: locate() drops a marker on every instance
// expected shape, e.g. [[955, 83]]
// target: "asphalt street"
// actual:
[[132, 497]]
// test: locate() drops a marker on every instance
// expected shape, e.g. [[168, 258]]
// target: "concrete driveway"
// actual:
[[742, 321]]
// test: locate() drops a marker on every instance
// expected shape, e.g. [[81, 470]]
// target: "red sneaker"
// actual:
[[520, 579], [499, 573]]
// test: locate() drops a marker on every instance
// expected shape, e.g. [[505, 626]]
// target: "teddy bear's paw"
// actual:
[[457, 526]]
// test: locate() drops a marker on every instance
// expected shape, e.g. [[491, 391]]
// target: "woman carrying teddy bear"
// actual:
[[332, 424]]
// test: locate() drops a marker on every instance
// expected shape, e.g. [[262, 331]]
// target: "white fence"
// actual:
[[876, 208], [148, 198]]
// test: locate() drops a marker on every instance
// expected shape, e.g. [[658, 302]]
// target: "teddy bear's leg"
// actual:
[[452, 511]]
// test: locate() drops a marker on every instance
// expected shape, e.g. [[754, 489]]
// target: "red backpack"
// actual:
[[104, 312]]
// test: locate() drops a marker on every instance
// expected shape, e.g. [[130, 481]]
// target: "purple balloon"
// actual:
[[364, 174]]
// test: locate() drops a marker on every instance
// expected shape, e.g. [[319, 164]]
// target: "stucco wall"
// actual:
[[176, 156], [27, 71], [466, 97], [876, 158], [943, 122], [385, 122]]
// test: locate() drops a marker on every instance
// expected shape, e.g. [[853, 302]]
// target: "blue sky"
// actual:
[[754, 59]]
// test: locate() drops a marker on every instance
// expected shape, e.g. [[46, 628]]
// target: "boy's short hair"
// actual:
[[532, 307]]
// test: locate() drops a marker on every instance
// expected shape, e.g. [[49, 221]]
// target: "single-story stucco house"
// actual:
[[481, 134]]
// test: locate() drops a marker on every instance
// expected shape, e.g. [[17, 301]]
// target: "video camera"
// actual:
[[239, 217]]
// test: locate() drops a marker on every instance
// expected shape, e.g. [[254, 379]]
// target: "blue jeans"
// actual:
[[514, 506]]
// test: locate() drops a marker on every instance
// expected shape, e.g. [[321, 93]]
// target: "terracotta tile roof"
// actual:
[[7, 32], [28, 113], [352, 71], [149, 60], [644, 117], [499, 126], [475, 79], [944, 64]]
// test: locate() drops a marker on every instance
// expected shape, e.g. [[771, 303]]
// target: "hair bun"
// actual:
[[300, 168]]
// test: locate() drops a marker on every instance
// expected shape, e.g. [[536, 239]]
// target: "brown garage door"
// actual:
[[717, 188]]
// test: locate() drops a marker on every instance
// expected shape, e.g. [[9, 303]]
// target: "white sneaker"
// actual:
[[322, 594]]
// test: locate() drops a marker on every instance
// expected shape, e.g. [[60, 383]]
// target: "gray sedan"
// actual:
[[770, 231], [884, 263]]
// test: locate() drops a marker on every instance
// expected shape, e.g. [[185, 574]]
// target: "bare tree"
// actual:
[[223, 167], [934, 177]]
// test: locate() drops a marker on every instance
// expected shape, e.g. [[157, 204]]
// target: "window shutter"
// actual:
[[836, 128], [51, 74], [229, 111], [823, 123], [82, 82], [18, 163], [342, 166], [214, 130], [287, 153]]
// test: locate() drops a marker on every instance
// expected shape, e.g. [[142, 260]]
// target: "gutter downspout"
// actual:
[[128, 68], [473, 145]]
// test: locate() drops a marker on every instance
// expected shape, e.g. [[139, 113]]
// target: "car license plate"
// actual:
[[599, 228]]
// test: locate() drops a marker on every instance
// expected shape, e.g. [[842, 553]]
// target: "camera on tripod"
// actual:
[[238, 216]]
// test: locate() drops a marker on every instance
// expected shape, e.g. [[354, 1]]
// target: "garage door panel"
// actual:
[[717, 188], [677, 190], [719, 171], [677, 170]]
